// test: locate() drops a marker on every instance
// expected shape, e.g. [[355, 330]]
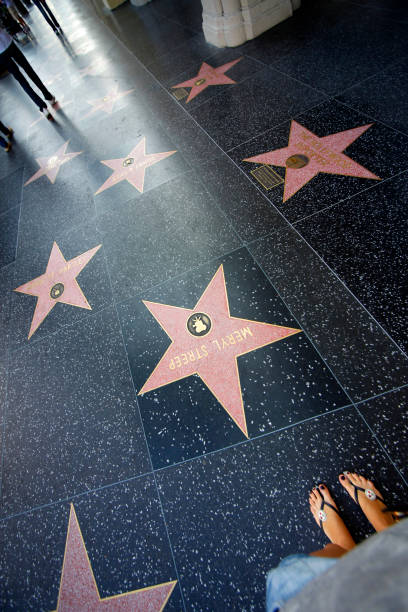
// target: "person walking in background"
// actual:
[[10, 56], [12, 9], [48, 15], [7, 131]]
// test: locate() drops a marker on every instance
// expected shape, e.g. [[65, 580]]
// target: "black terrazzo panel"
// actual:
[[283, 383], [388, 417], [233, 515], [365, 241], [72, 420], [124, 535], [362, 357], [161, 233]]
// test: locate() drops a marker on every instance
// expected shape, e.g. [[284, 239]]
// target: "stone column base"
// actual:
[[112, 4], [229, 23], [139, 2]]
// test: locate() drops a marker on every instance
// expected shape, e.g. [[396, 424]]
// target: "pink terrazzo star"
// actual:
[[78, 590], [207, 341], [132, 168], [107, 103], [306, 155], [57, 284], [49, 166], [207, 76]]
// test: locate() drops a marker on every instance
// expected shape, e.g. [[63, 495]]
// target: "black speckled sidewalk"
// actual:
[[203, 300]]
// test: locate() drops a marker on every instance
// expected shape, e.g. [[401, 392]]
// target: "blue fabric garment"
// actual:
[[5, 40], [291, 575]]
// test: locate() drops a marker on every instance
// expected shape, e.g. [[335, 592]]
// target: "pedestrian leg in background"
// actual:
[[48, 15], [15, 53], [7, 132], [9, 60], [17, 17]]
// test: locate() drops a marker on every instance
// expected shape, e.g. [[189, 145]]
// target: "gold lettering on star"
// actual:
[[215, 359], [219, 344]]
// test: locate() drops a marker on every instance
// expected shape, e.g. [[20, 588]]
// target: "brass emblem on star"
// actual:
[[199, 324], [128, 161], [56, 291], [297, 161], [199, 82], [52, 162]]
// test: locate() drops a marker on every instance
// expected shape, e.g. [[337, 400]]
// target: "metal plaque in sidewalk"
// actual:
[[180, 93], [267, 177]]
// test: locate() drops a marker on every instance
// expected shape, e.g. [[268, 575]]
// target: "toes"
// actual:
[[354, 478], [314, 504], [313, 497], [326, 494], [345, 481]]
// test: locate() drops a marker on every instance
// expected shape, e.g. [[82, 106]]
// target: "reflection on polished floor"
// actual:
[[203, 304]]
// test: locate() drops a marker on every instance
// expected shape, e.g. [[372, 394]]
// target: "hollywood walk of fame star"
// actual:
[[306, 155], [57, 284], [79, 592], [207, 76], [49, 166], [107, 103], [207, 341], [132, 168]]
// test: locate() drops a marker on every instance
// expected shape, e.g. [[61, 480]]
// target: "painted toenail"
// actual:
[[342, 477], [322, 486]]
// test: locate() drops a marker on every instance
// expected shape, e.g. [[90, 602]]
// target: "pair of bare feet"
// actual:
[[325, 512]]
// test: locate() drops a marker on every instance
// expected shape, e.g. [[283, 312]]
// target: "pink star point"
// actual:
[[132, 168], [49, 166], [57, 284], [213, 354], [207, 75], [107, 103], [78, 589], [314, 155]]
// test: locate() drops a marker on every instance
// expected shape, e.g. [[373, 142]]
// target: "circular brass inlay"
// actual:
[[56, 291], [52, 162], [297, 161], [128, 161], [199, 82], [199, 324]]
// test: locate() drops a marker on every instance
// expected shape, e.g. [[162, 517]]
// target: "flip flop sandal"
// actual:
[[322, 514], [369, 493]]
